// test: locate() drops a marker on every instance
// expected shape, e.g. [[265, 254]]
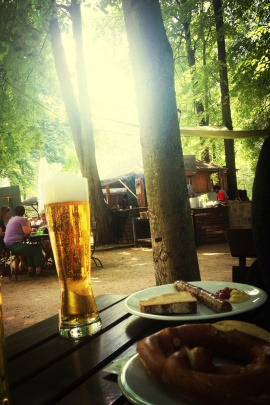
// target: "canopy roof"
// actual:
[[213, 132], [190, 162], [30, 201], [208, 167], [122, 177], [224, 133]]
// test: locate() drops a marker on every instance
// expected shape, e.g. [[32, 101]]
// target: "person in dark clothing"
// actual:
[[259, 273], [261, 213], [125, 201], [4, 217]]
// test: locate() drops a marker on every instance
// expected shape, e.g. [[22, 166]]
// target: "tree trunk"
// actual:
[[191, 62], [198, 104], [205, 154], [206, 92], [225, 100], [173, 242], [80, 122]]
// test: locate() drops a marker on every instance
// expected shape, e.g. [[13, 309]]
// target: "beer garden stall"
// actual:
[[132, 184], [10, 196], [31, 205], [209, 223]]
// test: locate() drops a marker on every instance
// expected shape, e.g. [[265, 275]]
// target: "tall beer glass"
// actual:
[[68, 218]]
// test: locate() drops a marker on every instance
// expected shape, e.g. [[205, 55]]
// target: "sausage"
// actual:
[[205, 297]]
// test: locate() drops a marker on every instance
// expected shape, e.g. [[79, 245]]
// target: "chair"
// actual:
[[6, 260], [242, 245], [141, 231], [93, 245]]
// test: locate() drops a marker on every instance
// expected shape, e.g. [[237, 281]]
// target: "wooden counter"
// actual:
[[122, 224], [210, 224]]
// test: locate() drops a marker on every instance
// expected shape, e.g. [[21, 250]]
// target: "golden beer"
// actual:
[[70, 236]]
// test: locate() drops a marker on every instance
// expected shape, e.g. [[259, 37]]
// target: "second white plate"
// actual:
[[140, 389], [257, 298]]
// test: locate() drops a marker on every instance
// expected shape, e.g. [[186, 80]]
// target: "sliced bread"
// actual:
[[175, 303]]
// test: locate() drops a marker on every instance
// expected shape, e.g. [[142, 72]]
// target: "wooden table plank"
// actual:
[[69, 372], [57, 380], [101, 388], [37, 334], [28, 338], [50, 351]]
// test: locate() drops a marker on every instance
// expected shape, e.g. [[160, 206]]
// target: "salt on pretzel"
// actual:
[[181, 357]]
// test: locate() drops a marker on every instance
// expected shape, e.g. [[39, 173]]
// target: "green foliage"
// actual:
[[246, 26], [28, 81], [249, 43], [31, 114]]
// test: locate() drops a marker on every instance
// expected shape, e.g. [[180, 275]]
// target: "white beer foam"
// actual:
[[63, 187]]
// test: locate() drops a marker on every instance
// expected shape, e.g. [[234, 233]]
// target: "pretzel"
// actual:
[[181, 357]]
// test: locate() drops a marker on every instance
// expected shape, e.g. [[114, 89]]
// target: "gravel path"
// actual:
[[125, 271]]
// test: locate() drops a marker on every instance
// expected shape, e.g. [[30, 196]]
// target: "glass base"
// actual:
[[80, 330]]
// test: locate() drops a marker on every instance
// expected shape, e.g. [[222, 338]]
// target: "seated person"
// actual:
[[44, 227], [124, 202], [16, 229], [4, 217], [43, 223], [43, 220], [34, 221]]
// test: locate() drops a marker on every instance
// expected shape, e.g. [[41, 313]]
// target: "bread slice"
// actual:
[[175, 303]]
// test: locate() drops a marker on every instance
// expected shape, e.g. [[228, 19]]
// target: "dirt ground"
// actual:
[[126, 270]]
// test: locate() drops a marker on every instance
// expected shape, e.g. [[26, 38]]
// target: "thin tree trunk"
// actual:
[[173, 242], [206, 90], [191, 62], [80, 121], [90, 171], [205, 155], [198, 104], [225, 100]]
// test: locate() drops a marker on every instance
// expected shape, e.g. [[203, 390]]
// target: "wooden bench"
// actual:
[[242, 245]]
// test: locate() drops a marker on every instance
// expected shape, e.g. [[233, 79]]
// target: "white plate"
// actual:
[[257, 298], [140, 389]]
